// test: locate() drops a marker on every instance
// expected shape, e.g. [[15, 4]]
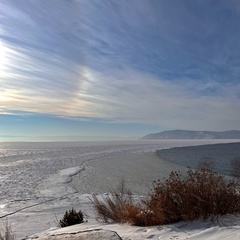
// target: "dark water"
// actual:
[[220, 154]]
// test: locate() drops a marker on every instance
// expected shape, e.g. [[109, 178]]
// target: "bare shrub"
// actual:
[[201, 194], [206, 163], [235, 163], [6, 232]]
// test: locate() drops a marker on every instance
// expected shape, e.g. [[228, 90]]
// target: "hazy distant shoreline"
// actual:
[[188, 134]]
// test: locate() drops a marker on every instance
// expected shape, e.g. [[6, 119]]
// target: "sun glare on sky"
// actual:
[[3, 57]]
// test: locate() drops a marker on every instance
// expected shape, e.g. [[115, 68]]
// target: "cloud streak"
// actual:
[[134, 97]]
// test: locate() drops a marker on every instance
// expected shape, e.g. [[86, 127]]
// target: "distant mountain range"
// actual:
[[186, 134]]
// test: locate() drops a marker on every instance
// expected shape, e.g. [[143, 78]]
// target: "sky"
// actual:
[[117, 69]]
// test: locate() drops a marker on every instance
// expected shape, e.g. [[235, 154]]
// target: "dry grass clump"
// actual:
[[6, 232], [117, 207], [201, 194]]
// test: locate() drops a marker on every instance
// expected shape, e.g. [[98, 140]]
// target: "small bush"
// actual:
[[201, 194], [71, 217]]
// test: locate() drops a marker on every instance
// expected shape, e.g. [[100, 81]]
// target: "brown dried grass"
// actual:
[[201, 194], [119, 206], [6, 232]]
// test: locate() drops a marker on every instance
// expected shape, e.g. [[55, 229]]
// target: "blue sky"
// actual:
[[90, 69]]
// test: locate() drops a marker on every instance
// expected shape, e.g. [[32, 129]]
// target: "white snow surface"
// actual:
[[40, 181], [197, 230]]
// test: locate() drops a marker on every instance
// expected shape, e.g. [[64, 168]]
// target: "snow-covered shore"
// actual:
[[197, 230], [227, 227]]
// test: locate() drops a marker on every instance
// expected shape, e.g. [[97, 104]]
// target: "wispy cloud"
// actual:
[[137, 97], [128, 96]]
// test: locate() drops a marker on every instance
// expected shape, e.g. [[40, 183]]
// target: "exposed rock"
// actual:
[[84, 235]]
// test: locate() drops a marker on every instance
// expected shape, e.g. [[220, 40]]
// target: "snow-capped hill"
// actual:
[[186, 134]]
